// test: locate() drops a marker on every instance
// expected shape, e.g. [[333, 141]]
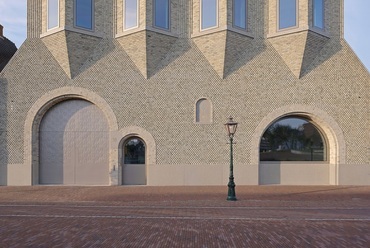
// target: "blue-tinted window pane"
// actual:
[[287, 13], [318, 13], [53, 13], [161, 14], [209, 14], [84, 13], [131, 13], [240, 13]]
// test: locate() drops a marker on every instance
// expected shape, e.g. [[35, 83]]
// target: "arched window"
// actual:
[[134, 151], [292, 139], [203, 112], [53, 14], [84, 14]]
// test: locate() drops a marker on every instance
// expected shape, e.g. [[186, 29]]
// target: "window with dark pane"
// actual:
[[134, 151], [292, 139]]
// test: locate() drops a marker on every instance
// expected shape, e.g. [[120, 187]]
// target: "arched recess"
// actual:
[[150, 152], [203, 111], [327, 125], [38, 110]]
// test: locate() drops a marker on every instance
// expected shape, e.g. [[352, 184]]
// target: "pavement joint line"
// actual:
[[194, 207], [183, 218]]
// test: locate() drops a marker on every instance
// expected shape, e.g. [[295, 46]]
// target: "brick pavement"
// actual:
[[263, 216]]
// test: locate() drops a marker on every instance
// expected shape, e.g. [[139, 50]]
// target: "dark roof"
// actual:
[[7, 50]]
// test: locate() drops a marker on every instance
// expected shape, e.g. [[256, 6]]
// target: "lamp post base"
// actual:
[[231, 191]]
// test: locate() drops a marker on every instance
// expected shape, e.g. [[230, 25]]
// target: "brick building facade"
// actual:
[[169, 73]]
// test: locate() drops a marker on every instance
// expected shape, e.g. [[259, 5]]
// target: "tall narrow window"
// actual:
[[162, 14], [53, 14], [287, 13], [240, 14], [209, 9], [131, 13], [84, 14], [318, 13]]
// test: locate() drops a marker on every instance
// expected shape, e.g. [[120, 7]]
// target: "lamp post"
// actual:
[[231, 129]]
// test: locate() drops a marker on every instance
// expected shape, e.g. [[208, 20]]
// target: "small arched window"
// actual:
[[203, 112], [134, 151], [292, 139]]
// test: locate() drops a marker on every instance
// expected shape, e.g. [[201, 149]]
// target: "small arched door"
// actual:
[[134, 162]]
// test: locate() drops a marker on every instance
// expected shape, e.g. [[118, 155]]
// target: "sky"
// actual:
[[356, 24]]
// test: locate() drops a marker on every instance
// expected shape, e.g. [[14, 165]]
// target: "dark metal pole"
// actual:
[[231, 185]]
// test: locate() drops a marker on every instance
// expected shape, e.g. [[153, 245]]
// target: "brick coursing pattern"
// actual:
[[152, 80]]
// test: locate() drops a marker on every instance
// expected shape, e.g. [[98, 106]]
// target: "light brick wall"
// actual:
[[157, 89]]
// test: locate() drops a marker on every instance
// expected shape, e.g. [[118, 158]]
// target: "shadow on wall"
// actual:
[[3, 136], [176, 50], [246, 49], [102, 49], [327, 52]]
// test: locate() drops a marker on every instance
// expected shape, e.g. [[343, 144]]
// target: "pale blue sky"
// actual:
[[357, 24]]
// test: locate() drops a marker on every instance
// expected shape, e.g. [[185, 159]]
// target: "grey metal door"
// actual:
[[134, 167], [74, 145]]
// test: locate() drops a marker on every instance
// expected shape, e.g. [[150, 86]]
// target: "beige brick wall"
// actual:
[[258, 82]]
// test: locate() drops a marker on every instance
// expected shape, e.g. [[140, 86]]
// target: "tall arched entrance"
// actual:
[[74, 145]]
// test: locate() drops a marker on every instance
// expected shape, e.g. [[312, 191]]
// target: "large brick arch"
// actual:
[[42, 105], [330, 129]]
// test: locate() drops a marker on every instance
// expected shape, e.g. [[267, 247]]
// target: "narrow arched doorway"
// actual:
[[134, 162], [293, 151], [74, 145]]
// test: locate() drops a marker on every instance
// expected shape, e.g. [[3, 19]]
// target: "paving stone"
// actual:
[[268, 216]]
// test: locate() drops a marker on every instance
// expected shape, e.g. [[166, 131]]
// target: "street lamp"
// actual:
[[231, 129]]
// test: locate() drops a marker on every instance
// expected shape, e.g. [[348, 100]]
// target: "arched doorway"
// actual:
[[134, 162], [74, 144]]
